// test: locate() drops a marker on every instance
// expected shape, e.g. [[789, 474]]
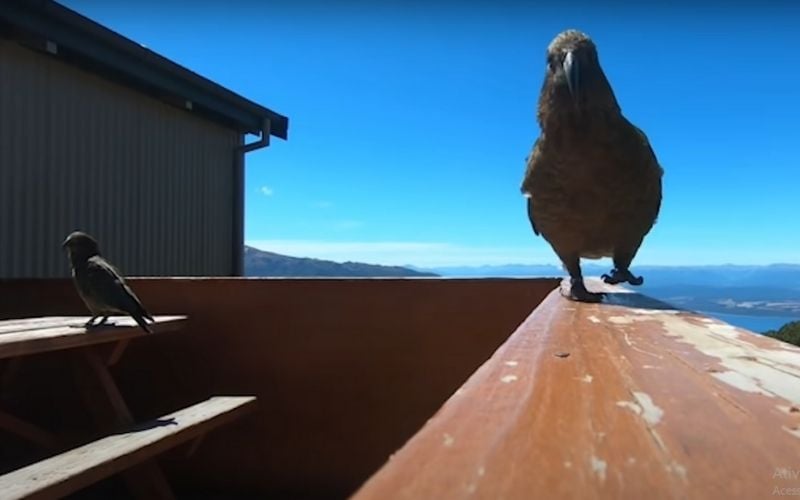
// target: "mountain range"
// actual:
[[260, 263], [780, 275], [771, 291]]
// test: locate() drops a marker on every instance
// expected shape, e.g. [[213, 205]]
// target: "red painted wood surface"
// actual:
[[345, 370], [626, 399]]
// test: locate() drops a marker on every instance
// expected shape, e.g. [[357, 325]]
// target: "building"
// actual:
[[102, 134]]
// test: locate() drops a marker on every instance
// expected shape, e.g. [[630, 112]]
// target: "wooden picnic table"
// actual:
[[29, 336], [21, 337], [131, 453]]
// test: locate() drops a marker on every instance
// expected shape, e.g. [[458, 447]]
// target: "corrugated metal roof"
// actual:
[[84, 42]]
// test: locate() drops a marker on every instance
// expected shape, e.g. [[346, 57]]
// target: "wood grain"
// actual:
[[68, 472], [37, 335], [626, 399]]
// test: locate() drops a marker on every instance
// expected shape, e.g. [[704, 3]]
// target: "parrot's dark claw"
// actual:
[[625, 276], [579, 293], [92, 324]]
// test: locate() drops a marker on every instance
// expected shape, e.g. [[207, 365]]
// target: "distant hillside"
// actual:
[[779, 275], [789, 332], [761, 300], [772, 290], [260, 263]]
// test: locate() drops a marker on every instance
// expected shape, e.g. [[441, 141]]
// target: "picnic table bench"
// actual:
[[131, 448]]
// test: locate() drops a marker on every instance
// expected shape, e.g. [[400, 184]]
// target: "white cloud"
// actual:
[[398, 253], [266, 190]]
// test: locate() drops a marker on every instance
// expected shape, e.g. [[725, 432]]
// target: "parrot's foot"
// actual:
[[579, 293], [623, 276]]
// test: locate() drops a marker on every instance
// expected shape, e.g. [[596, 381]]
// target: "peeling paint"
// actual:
[[794, 432], [511, 363], [775, 371], [508, 379], [650, 412], [568, 464], [721, 327], [740, 381], [677, 469], [481, 471], [653, 312], [657, 438], [631, 406], [448, 440], [630, 461], [593, 319], [586, 378], [599, 467], [637, 349], [621, 320]]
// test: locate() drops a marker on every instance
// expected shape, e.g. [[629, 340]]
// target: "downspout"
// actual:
[[237, 253]]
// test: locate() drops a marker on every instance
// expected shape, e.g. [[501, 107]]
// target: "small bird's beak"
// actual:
[[572, 71]]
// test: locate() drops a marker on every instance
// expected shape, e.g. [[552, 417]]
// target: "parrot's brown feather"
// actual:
[[592, 179]]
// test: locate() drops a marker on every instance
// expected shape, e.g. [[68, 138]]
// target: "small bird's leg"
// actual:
[[90, 323], [578, 291], [102, 321], [621, 273]]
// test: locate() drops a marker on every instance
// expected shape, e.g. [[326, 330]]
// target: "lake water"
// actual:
[[758, 324]]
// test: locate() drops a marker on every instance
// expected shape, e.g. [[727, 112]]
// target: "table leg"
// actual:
[[119, 348], [146, 481], [16, 425], [27, 431]]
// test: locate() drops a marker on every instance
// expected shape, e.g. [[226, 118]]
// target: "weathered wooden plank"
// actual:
[[68, 472], [39, 335], [24, 324], [626, 399]]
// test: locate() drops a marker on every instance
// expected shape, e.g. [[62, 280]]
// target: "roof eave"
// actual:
[[114, 55]]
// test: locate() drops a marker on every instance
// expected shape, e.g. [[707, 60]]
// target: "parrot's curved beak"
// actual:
[[572, 71]]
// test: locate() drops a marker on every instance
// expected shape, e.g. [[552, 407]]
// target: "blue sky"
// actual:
[[410, 121]]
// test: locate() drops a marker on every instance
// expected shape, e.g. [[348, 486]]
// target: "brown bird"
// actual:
[[99, 284], [592, 180]]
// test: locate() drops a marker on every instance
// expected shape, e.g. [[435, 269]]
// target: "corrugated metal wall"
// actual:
[[152, 182]]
